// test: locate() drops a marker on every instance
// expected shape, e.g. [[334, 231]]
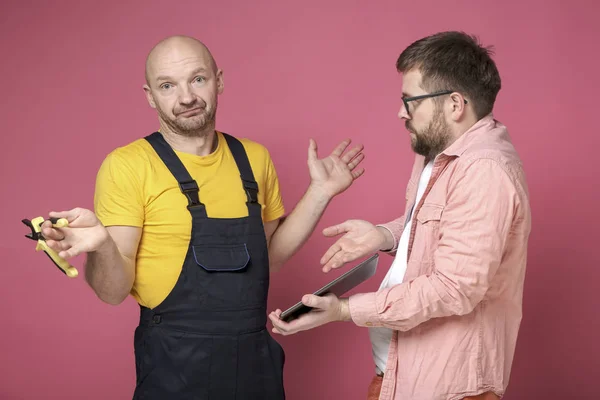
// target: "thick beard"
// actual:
[[194, 126], [432, 140]]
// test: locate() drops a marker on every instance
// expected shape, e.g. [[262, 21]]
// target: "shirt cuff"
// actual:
[[363, 310], [396, 240]]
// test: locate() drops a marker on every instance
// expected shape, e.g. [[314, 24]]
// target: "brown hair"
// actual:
[[455, 61]]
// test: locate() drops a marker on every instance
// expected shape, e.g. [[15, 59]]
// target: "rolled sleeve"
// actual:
[[395, 228], [363, 309]]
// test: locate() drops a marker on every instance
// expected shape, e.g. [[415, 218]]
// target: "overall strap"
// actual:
[[188, 186], [246, 174]]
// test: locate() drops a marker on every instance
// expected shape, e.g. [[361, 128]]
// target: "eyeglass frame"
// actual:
[[405, 100]]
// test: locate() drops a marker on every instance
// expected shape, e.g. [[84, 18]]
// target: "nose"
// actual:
[[403, 113], [186, 95]]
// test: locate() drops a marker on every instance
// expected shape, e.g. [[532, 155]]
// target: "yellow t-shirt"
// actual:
[[135, 188]]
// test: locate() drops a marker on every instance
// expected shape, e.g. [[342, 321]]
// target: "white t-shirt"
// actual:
[[381, 337]]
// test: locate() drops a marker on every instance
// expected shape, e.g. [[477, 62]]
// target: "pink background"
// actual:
[[72, 78]]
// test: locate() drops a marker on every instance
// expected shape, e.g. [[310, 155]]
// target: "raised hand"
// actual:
[[336, 172]]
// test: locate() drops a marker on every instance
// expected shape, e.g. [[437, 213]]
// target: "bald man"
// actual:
[[188, 220]]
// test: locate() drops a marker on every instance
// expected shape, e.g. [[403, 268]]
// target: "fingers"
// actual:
[[340, 148], [349, 156], [70, 253], [279, 326], [312, 150], [355, 161], [358, 173], [313, 301], [336, 261], [302, 323], [63, 249], [70, 215], [57, 246], [340, 258], [332, 251], [336, 229], [336, 247], [318, 316], [52, 233]]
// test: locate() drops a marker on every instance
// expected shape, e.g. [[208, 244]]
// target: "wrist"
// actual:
[[106, 243], [345, 310], [387, 239], [318, 193]]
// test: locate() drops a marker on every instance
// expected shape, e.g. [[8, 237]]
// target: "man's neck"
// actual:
[[460, 129], [202, 144]]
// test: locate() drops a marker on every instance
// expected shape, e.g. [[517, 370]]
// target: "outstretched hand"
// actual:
[[360, 238], [84, 234], [336, 172]]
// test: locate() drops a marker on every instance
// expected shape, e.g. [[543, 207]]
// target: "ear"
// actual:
[[149, 96], [457, 105], [220, 82]]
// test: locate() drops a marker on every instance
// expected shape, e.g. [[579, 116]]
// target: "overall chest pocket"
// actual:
[[222, 258], [228, 277]]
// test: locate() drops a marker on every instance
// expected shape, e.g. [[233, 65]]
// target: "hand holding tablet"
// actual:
[[338, 286]]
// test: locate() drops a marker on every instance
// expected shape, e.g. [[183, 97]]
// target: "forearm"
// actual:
[[389, 242], [393, 231], [297, 227], [109, 273], [407, 305]]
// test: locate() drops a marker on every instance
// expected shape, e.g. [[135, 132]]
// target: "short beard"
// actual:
[[198, 125], [432, 140]]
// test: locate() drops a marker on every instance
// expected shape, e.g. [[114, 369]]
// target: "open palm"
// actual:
[[336, 172], [360, 238]]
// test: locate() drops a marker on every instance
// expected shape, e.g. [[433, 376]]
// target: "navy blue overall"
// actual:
[[208, 339]]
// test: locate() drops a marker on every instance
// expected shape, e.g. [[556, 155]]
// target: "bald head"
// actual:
[[174, 51], [183, 84]]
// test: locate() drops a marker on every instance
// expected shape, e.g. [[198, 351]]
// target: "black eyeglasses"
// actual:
[[425, 96]]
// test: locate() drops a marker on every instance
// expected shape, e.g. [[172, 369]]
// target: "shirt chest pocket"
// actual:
[[429, 215], [427, 232]]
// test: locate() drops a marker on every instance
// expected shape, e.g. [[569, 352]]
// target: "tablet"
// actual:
[[338, 286]]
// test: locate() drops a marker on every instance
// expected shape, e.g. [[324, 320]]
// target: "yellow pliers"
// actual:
[[36, 234]]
